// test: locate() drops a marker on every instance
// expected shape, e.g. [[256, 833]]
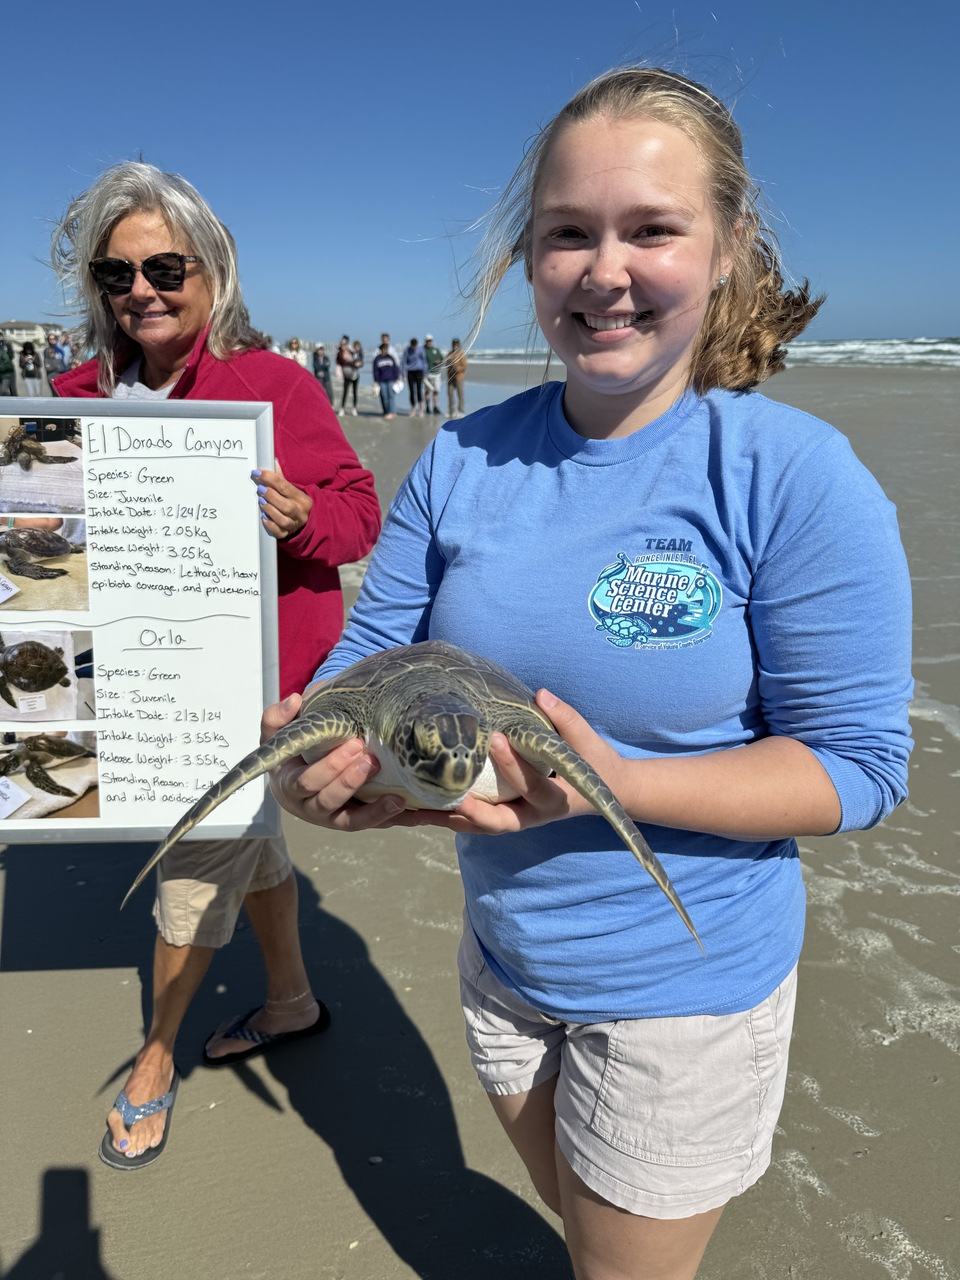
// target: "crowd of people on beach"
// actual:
[[36, 369], [422, 369]]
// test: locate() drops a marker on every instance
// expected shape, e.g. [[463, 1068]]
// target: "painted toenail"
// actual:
[[124, 1144]]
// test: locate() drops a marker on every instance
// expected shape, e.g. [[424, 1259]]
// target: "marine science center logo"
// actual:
[[659, 600]]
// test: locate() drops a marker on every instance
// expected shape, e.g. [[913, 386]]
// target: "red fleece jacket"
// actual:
[[314, 455]]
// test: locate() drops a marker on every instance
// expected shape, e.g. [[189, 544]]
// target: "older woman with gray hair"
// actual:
[[153, 275]]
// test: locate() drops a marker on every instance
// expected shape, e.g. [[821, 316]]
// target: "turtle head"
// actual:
[[441, 745]]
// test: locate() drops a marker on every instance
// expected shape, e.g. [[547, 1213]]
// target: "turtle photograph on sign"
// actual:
[[41, 464], [52, 774], [45, 675], [43, 563]]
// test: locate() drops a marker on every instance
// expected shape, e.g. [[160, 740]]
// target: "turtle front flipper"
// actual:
[[319, 730], [38, 775], [541, 746], [24, 567], [5, 693]]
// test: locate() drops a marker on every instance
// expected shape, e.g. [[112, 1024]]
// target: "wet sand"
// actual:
[[371, 1153]]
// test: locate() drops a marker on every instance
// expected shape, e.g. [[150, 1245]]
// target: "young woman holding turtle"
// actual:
[[683, 561]]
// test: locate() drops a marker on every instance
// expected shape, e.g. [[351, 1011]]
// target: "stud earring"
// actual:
[[722, 280]]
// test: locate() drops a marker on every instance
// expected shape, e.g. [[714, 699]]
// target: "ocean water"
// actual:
[[941, 353], [922, 352]]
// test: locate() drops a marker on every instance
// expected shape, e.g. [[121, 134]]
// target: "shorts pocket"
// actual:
[[690, 1090]]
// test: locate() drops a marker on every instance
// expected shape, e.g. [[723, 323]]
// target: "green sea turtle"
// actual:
[[32, 753], [21, 549], [31, 667], [19, 447], [426, 711]]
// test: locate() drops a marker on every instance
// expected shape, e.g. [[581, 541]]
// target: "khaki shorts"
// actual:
[[201, 885], [664, 1117]]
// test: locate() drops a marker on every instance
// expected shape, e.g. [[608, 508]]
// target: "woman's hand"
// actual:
[[284, 509], [540, 800], [322, 793]]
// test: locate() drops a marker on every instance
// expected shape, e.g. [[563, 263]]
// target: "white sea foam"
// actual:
[[928, 352], [436, 852], [801, 1176], [904, 926], [883, 1241], [942, 713], [809, 1086], [924, 352], [912, 1001]]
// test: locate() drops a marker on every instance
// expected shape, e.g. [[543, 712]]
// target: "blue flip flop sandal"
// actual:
[[258, 1042], [130, 1114]]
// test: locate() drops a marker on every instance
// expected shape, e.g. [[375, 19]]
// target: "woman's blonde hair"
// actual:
[[84, 232], [750, 316]]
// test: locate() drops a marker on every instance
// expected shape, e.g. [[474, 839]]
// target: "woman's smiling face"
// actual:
[[624, 260], [164, 325]]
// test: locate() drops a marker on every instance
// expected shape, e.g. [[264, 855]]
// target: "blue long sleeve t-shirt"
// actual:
[[729, 572]]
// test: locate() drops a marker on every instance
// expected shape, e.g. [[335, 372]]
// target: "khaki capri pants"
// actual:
[[201, 885]]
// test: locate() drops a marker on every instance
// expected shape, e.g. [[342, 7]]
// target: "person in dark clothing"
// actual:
[[413, 367], [346, 359], [386, 371], [8, 377], [30, 369], [321, 370]]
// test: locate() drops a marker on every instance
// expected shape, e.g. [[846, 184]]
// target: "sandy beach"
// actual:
[[371, 1153]]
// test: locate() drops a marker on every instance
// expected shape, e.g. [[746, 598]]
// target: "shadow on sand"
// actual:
[[370, 1088], [67, 1244]]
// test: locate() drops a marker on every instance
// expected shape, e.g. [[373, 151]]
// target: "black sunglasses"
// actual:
[[166, 272]]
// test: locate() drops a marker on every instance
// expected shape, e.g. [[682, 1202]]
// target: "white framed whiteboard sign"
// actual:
[[138, 616]]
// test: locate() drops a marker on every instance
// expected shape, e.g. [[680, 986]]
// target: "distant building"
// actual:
[[17, 332], [20, 331]]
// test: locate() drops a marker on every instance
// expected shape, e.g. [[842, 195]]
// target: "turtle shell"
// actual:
[[44, 544], [33, 666]]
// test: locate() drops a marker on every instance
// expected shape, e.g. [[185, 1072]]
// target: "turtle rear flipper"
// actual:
[[295, 738], [543, 746], [42, 780]]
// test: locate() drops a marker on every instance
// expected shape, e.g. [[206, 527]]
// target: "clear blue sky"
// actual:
[[349, 146]]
